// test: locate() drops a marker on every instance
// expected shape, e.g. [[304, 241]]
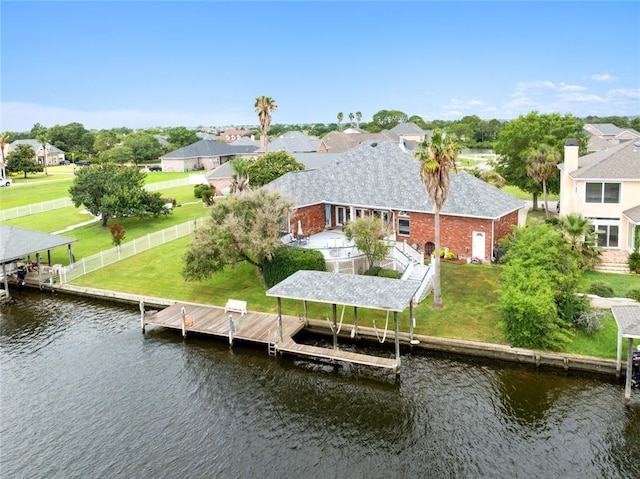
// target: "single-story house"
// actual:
[[382, 179], [296, 142], [52, 154], [203, 155]]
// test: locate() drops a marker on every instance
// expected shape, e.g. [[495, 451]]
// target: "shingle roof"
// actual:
[[207, 149], [313, 161], [382, 176], [225, 170], [16, 243], [35, 144], [339, 141], [633, 214], [408, 129], [606, 128], [620, 162], [295, 142]]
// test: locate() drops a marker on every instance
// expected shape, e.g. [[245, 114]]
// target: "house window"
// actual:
[[607, 230], [404, 226], [603, 193]]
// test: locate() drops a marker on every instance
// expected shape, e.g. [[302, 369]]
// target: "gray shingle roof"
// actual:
[[385, 177], [313, 161], [225, 170], [621, 162], [349, 289], [633, 214], [295, 142], [35, 144], [16, 243], [606, 128], [408, 129], [208, 149], [340, 141]]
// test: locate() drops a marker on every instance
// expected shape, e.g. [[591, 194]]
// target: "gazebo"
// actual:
[[628, 320], [386, 294], [17, 243]]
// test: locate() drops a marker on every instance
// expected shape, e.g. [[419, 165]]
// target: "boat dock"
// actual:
[[254, 327]]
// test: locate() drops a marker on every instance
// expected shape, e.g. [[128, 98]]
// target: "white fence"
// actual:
[[126, 250], [58, 203], [34, 208]]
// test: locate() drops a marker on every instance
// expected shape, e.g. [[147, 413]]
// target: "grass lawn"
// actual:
[[523, 195], [51, 221], [621, 283]]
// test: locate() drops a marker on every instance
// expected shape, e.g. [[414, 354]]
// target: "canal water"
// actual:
[[84, 394]]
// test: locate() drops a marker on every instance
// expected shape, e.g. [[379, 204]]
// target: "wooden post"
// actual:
[[280, 318], [334, 309], [412, 320], [184, 322], [142, 325], [306, 314], [354, 332], [619, 354], [395, 325], [231, 330], [627, 385]]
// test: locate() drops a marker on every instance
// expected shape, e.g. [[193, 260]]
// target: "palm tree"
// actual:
[[358, 118], [437, 159], [351, 116], [240, 176], [42, 139], [340, 118], [541, 165], [4, 140], [265, 105], [583, 238]]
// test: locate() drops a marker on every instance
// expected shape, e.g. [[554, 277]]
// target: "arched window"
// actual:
[[429, 248]]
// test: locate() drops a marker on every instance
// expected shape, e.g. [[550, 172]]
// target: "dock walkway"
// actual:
[[255, 327]]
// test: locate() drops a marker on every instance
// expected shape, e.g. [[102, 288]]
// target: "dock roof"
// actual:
[[16, 243], [370, 292]]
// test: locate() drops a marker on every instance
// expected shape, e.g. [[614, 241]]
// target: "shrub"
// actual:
[[288, 260], [450, 255], [634, 294], [373, 271], [590, 321], [389, 273], [599, 288], [634, 262]]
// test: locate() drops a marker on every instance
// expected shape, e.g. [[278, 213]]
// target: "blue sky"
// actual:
[[143, 64]]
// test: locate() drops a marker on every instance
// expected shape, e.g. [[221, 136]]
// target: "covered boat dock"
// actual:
[[628, 321]]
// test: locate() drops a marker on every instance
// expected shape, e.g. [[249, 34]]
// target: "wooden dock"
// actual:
[[255, 327]]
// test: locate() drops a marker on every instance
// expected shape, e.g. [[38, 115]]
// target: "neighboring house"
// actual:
[[162, 140], [341, 141], [229, 136], [605, 187], [203, 155], [609, 131], [595, 143], [297, 142], [221, 178], [412, 132], [383, 180], [50, 156]]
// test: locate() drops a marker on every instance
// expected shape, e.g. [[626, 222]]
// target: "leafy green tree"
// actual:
[[205, 192], [542, 164], [118, 154], [386, 119], [71, 137], [37, 130], [145, 147], [264, 106], [104, 140], [437, 158], [534, 129], [271, 166], [369, 235], [111, 191], [180, 137], [241, 228], [117, 233], [22, 159], [417, 119]]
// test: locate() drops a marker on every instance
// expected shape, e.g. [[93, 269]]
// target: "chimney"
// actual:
[[570, 155]]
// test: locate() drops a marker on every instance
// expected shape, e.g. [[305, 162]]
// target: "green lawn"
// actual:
[[51, 221], [621, 283], [523, 195]]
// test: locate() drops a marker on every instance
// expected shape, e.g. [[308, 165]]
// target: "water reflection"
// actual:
[[85, 394]]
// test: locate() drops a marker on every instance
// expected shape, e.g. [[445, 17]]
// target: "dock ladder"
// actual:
[[272, 347]]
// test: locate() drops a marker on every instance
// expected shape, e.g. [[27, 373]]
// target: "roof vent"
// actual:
[[374, 144]]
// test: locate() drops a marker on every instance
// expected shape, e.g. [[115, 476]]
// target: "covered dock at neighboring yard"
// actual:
[[19, 243], [370, 292], [628, 320]]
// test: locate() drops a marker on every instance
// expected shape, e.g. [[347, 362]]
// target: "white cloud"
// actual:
[[539, 87], [18, 116], [624, 93], [603, 77]]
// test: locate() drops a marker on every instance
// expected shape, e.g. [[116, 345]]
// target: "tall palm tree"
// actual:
[[351, 116], [340, 118], [4, 140], [265, 105], [541, 165], [437, 157], [358, 118]]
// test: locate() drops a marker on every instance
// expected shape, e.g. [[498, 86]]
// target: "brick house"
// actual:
[[382, 179]]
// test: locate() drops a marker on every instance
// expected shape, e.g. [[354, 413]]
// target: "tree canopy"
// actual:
[[111, 191], [22, 160], [180, 137], [386, 119], [517, 137], [264, 106], [271, 166], [241, 228], [144, 146], [368, 234]]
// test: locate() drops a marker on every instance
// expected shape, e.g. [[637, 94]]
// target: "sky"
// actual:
[[164, 63]]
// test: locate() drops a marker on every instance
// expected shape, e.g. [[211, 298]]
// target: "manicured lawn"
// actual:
[[621, 283], [51, 221], [523, 195]]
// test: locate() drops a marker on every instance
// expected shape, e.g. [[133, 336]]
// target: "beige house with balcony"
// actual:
[[605, 187]]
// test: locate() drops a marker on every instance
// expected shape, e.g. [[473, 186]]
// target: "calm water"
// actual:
[[84, 394]]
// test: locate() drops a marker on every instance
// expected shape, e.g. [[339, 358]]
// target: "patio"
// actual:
[[332, 243]]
